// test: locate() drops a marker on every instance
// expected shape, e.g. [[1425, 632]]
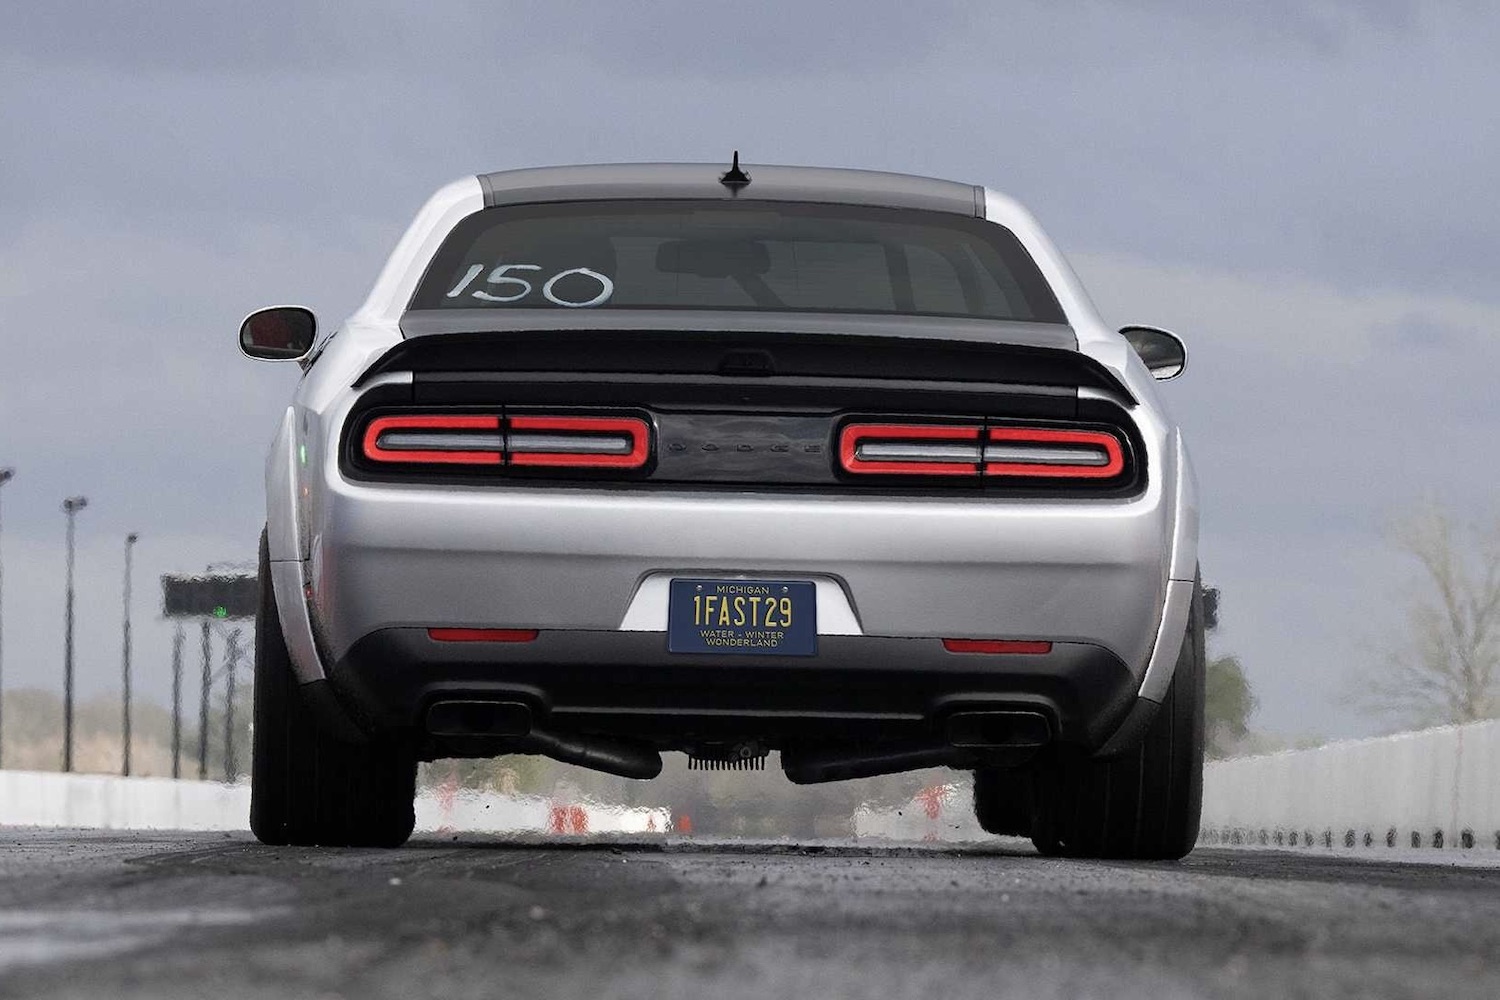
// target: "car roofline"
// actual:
[[702, 181]]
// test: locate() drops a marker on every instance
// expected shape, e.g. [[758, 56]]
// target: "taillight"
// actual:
[[977, 450], [578, 442], [910, 449], [532, 441], [1050, 453], [434, 439]]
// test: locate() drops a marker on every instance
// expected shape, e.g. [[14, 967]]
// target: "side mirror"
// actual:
[[1163, 352], [280, 333]]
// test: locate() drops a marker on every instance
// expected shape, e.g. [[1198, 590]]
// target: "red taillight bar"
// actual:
[[632, 427], [853, 434], [1019, 646], [1114, 462], [1094, 454], [482, 634], [601, 442], [430, 422]]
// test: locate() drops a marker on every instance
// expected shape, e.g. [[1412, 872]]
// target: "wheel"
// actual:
[[306, 786], [1002, 801], [1145, 804]]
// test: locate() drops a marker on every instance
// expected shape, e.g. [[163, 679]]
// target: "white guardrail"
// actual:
[[1438, 788], [108, 802]]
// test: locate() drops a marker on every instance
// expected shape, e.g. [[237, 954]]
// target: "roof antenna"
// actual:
[[735, 178]]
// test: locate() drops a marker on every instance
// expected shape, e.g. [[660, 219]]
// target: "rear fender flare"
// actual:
[[284, 541]]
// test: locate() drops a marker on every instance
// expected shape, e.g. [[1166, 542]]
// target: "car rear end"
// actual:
[[960, 506], [816, 467]]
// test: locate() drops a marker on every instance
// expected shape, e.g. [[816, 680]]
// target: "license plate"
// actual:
[[747, 617]]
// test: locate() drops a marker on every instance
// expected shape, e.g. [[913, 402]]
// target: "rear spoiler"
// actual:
[[746, 344]]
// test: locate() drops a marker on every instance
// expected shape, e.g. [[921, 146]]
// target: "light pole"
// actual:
[[178, 638], [71, 507], [6, 475], [203, 692], [130, 541], [231, 665]]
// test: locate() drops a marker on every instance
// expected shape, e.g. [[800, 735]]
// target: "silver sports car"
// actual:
[[840, 464]]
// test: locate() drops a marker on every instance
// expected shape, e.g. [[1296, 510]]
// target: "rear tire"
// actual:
[[306, 786], [1144, 805], [1002, 801]]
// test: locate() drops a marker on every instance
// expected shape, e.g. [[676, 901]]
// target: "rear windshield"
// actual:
[[750, 256]]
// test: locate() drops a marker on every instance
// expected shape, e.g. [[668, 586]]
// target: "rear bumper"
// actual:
[[588, 566], [627, 684], [1068, 571]]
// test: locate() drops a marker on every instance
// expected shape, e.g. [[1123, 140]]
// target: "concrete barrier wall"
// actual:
[[1438, 788], [107, 802], [1433, 788]]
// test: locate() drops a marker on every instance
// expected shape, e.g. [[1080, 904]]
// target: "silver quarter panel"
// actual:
[[293, 490], [1107, 347]]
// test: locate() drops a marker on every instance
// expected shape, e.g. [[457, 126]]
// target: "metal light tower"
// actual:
[[130, 541], [71, 507], [6, 475], [205, 599]]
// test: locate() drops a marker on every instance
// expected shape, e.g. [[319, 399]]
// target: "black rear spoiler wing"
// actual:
[[745, 345]]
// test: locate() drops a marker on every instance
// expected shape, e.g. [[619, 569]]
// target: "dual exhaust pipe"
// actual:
[[970, 737]]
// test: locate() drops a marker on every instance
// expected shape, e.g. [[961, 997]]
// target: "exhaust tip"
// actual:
[[996, 730], [479, 718]]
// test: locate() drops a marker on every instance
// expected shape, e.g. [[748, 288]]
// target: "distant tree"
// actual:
[[33, 734], [1228, 700], [1446, 667], [1229, 703]]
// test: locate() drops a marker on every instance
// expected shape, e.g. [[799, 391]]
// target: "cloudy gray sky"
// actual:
[[1304, 189]]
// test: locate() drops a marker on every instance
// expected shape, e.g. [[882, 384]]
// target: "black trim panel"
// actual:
[[627, 684], [704, 442]]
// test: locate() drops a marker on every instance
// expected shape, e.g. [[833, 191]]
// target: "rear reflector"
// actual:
[[482, 634], [1018, 646]]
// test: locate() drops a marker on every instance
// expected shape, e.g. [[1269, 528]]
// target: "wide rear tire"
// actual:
[[1002, 801], [307, 787], [1145, 804]]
